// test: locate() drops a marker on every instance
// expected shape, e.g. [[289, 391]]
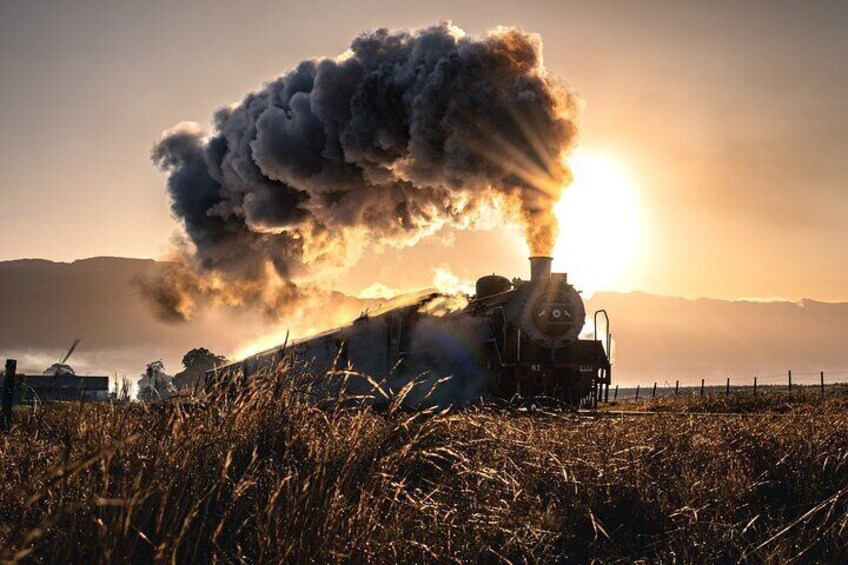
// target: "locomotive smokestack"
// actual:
[[540, 268]]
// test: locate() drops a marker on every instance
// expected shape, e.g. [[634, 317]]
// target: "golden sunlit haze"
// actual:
[[600, 221]]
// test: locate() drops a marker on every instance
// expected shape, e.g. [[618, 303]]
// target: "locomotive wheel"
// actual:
[[501, 383]]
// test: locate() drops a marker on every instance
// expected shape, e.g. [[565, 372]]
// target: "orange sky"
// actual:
[[730, 122]]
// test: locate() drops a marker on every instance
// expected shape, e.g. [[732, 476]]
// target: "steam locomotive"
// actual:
[[513, 337]]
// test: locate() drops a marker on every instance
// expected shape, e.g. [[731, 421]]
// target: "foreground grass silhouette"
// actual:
[[257, 473]]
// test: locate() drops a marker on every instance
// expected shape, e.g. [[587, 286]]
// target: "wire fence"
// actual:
[[790, 381]]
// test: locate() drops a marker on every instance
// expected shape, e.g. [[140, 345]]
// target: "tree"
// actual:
[[155, 383], [196, 363], [201, 359]]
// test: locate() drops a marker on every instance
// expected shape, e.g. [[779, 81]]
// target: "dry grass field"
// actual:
[[259, 474]]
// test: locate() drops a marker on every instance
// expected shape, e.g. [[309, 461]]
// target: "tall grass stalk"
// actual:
[[259, 471]]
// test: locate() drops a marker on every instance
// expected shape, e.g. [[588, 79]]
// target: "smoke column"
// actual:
[[401, 135]]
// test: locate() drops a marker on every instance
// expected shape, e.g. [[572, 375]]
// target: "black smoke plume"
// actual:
[[404, 133]]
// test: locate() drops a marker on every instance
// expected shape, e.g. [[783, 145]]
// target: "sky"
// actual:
[[725, 124]]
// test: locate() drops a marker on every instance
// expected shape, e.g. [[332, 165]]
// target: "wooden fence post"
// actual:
[[755, 386], [637, 392], [654, 393], [8, 394], [702, 388], [790, 381], [676, 386], [615, 397], [822, 382], [727, 390]]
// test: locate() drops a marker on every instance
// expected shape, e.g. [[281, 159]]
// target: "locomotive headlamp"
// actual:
[[553, 311], [552, 317]]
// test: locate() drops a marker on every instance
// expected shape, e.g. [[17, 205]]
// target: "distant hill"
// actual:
[[666, 338], [44, 305]]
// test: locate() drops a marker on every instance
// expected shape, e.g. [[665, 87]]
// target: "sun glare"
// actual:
[[600, 224]]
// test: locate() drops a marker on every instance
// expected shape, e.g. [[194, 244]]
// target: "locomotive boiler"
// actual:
[[513, 337]]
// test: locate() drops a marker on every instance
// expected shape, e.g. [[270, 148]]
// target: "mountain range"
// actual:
[[45, 305]]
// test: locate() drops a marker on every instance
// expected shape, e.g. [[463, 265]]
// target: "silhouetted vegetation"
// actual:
[[259, 472], [154, 383], [195, 363], [201, 359]]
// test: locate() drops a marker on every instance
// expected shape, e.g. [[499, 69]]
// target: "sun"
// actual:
[[600, 223]]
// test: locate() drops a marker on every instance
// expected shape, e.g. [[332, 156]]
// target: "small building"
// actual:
[[58, 385], [66, 386]]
